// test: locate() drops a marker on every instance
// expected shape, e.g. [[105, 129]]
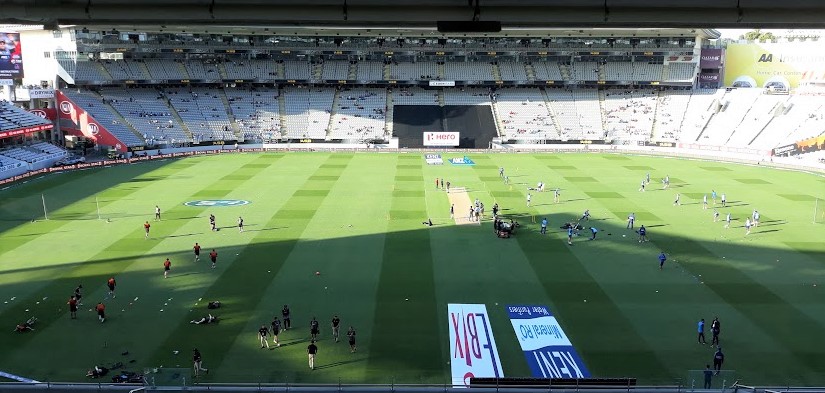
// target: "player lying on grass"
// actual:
[[26, 326], [207, 319], [97, 372]]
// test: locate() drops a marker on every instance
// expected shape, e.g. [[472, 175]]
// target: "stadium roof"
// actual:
[[412, 13]]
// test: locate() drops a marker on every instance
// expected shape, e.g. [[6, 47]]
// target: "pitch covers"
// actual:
[[473, 351], [548, 351]]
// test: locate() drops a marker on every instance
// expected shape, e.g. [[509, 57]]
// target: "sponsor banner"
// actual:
[[23, 94], [11, 56], [710, 58], [708, 78], [547, 349], [442, 83], [790, 150], [789, 64], [88, 126], [132, 160], [473, 352], [27, 130], [433, 159], [437, 138], [217, 203], [462, 161]]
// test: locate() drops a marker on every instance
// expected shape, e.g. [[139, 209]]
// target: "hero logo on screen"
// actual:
[[432, 138], [217, 203]]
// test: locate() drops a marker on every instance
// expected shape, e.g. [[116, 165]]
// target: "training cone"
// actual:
[[317, 273]]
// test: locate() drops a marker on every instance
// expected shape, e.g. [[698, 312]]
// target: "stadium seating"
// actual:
[[413, 71], [468, 71], [578, 113], [12, 117], [14, 157], [90, 71], [255, 111], [467, 96], [629, 114], [545, 70], [360, 114], [512, 71], [147, 112], [680, 72], [294, 69], [203, 111], [522, 114], [735, 104], [105, 115], [336, 70], [761, 112], [370, 71], [801, 117], [307, 111], [670, 114], [585, 71], [414, 96]]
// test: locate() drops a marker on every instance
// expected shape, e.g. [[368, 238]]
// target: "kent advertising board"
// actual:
[[791, 64], [546, 347], [473, 351], [438, 138]]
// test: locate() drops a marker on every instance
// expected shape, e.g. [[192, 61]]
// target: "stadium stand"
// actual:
[[734, 105], [105, 115], [414, 96], [203, 112], [522, 114], [31, 153], [468, 71], [467, 96], [146, 110], [12, 117], [360, 114], [670, 114], [370, 71], [629, 114], [512, 71], [413, 71], [545, 70], [336, 69], [255, 111], [307, 111]]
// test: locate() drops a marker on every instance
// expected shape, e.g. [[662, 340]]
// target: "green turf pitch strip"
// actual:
[[344, 234]]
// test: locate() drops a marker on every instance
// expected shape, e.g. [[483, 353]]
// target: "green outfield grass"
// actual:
[[356, 218]]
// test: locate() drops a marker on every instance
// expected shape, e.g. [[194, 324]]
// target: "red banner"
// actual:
[[49, 114], [27, 130], [88, 127]]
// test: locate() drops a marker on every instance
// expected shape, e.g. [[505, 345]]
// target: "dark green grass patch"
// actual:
[[237, 176], [324, 177], [485, 167], [715, 168], [642, 216], [638, 167], [311, 193], [581, 179], [340, 157], [546, 157], [408, 193], [695, 195], [211, 193], [603, 194], [408, 166], [408, 178], [333, 166], [797, 197], [294, 214], [752, 181], [256, 165], [556, 166]]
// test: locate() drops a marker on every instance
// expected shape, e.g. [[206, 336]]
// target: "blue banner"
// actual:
[[462, 161], [548, 351]]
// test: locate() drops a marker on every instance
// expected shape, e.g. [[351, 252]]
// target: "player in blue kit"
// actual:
[[662, 259]]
